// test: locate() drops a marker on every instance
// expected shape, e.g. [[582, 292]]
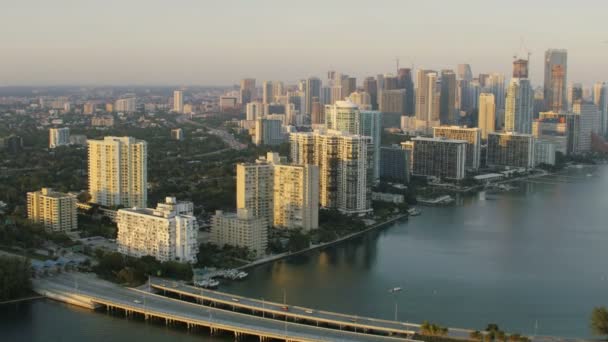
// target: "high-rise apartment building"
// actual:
[[510, 150], [286, 196], [553, 131], [168, 233], [589, 123], [268, 132], [59, 137], [556, 77], [55, 210], [395, 164], [544, 153], [241, 229], [118, 172], [392, 104], [572, 129], [126, 105], [486, 120], [342, 116], [472, 136], [254, 188], [346, 117], [427, 99], [370, 125], [439, 157], [296, 196], [178, 101], [345, 167]]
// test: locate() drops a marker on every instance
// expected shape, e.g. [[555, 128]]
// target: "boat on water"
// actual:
[[207, 283], [414, 211]]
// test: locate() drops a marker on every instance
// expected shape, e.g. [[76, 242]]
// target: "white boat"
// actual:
[[414, 212]]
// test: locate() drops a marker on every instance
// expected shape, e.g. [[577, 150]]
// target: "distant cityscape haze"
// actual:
[[188, 42]]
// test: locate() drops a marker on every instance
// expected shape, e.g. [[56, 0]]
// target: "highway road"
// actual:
[[104, 292], [270, 308]]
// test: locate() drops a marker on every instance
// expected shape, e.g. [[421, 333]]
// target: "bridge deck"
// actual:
[[85, 287], [294, 312]]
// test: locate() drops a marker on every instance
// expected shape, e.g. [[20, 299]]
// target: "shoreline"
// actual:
[[22, 299], [286, 255]]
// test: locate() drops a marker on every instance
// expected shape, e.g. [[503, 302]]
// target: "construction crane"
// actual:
[[523, 48], [409, 58]]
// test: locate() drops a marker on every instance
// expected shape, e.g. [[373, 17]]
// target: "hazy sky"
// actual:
[[207, 42]]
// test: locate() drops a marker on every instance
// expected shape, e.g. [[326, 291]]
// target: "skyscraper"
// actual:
[[313, 89], [589, 123], [487, 114], [254, 188], [118, 172], [575, 94], [286, 196], [370, 86], [519, 105], [556, 77], [370, 125], [405, 81], [178, 101], [247, 91], [317, 116], [362, 99], [427, 99], [267, 92], [342, 116], [345, 167], [268, 132], [464, 72], [447, 103]]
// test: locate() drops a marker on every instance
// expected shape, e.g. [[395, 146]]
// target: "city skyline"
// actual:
[[196, 43]]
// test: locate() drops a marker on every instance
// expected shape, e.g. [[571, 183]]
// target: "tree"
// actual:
[[298, 241], [84, 197], [476, 335], [599, 320], [15, 277]]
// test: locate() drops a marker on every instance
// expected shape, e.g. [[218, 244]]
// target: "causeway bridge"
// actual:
[[222, 312]]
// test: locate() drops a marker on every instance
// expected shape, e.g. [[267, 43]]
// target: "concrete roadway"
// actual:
[[300, 312], [292, 311], [102, 291]]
